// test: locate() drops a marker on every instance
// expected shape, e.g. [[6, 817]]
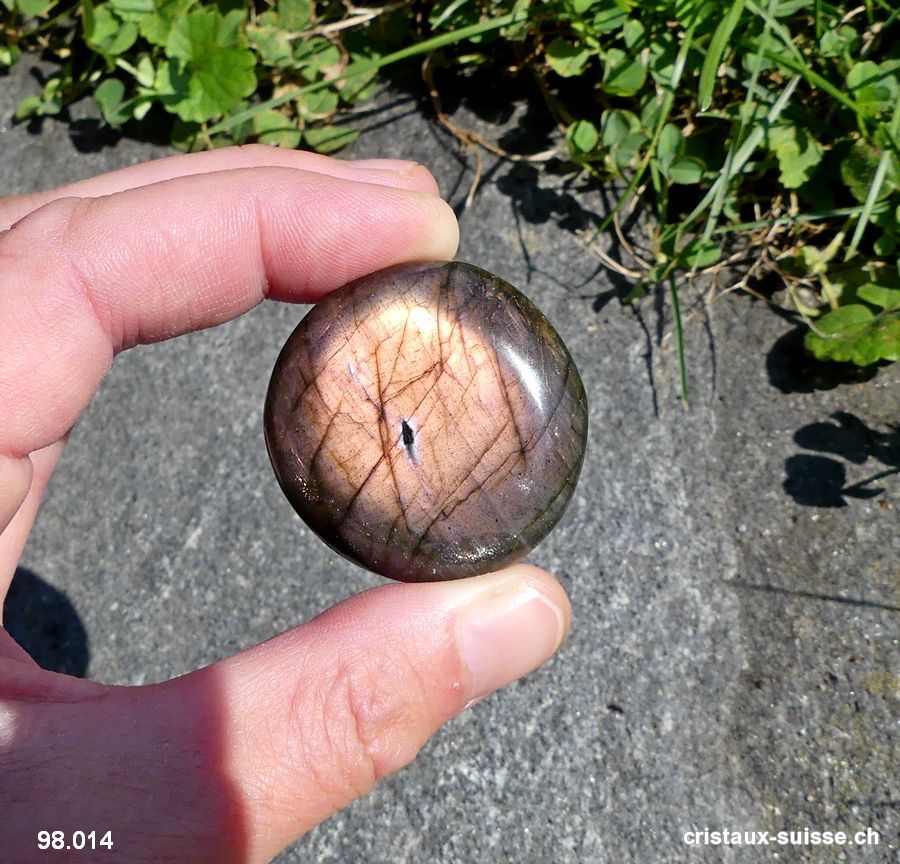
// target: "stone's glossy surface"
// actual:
[[427, 422]]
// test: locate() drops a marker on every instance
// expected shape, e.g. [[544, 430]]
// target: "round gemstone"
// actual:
[[427, 422]]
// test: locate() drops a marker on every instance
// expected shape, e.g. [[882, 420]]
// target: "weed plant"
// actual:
[[767, 127]]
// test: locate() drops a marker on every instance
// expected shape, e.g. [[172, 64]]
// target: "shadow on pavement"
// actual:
[[88, 134], [43, 621], [821, 481], [792, 370]]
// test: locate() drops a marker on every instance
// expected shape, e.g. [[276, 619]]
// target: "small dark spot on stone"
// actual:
[[407, 434], [618, 709]]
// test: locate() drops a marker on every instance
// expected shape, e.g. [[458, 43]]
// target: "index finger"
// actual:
[[83, 278], [387, 172]]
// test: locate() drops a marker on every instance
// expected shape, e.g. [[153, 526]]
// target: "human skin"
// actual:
[[232, 762]]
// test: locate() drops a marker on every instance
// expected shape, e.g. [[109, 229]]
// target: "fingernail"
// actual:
[[403, 167], [506, 633]]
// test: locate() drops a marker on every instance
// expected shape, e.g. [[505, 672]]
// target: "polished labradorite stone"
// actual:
[[427, 422]]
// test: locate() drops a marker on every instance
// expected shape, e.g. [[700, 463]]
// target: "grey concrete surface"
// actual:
[[735, 657]]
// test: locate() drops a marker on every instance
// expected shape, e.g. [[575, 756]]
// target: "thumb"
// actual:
[[315, 717]]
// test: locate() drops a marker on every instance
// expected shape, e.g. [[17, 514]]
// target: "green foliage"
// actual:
[[859, 333], [762, 109], [208, 68], [566, 59], [772, 125], [797, 152], [202, 63]]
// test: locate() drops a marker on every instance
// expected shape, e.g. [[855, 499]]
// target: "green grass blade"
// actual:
[[838, 213], [746, 111], [796, 62], [874, 190], [871, 198], [668, 101], [745, 151], [448, 11], [717, 46]]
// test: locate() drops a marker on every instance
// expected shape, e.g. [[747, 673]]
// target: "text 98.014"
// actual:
[[75, 840]]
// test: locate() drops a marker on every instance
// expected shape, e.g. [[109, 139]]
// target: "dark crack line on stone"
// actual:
[[423, 419], [386, 443], [348, 338], [479, 486], [295, 405], [314, 384], [398, 352], [340, 523], [462, 398], [498, 369], [391, 530], [472, 380], [321, 444], [433, 369], [441, 286], [446, 514]]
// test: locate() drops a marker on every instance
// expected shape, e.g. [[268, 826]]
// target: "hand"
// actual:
[[233, 762]]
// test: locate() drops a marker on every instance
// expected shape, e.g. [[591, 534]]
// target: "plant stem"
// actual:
[[880, 207]]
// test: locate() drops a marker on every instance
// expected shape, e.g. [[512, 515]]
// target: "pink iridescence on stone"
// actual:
[[427, 422]]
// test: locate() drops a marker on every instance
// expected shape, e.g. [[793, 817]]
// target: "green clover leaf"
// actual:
[[858, 168], [566, 59], [9, 55], [797, 153], [272, 45], [294, 14], [873, 87], [856, 334], [622, 75], [109, 96], [582, 137], [273, 127], [210, 68], [35, 8], [880, 295], [327, 139], [105, 31], [317, 105], [686, 171], [155, 28]]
